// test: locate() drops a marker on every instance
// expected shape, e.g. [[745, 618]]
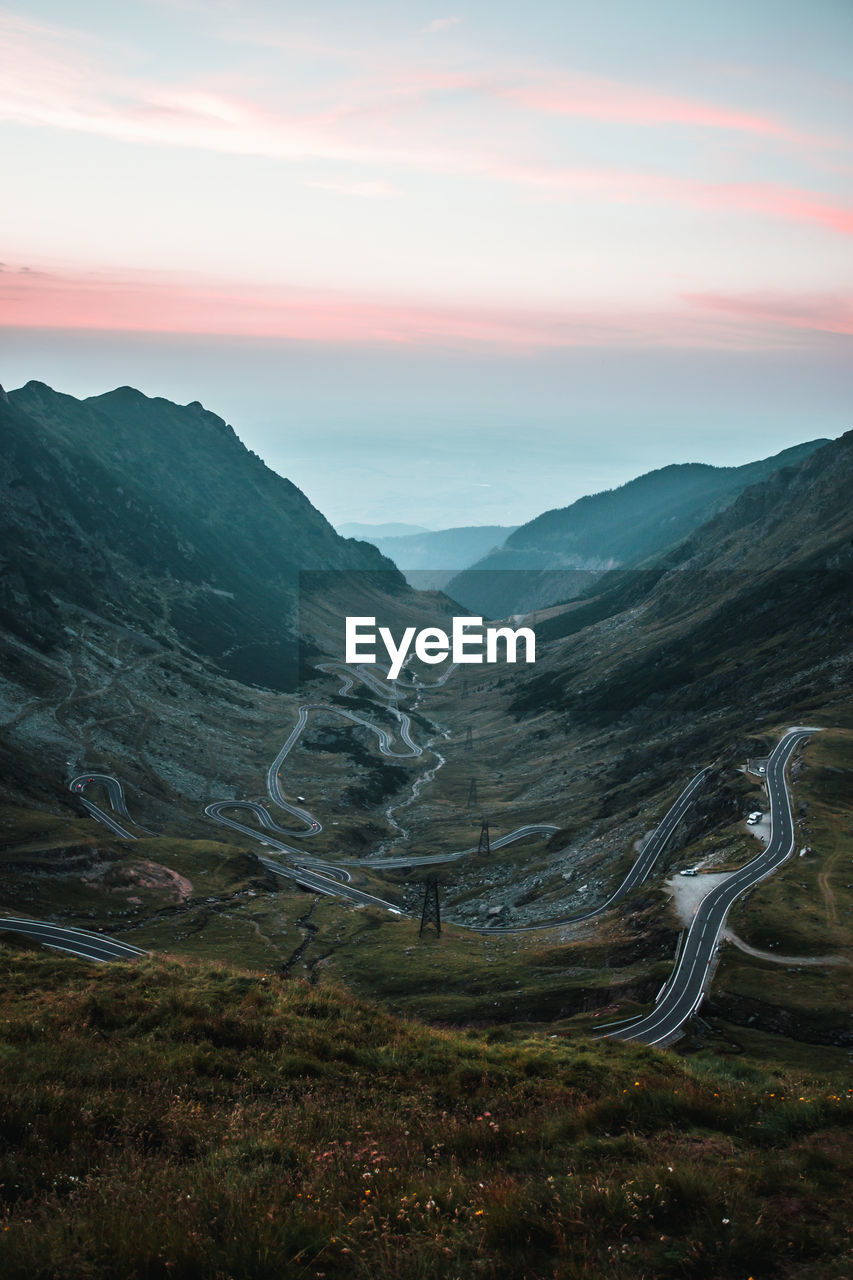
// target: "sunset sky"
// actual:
[[445, 266]]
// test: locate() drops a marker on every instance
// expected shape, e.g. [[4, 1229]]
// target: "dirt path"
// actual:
[[731, 936], [828, 892]]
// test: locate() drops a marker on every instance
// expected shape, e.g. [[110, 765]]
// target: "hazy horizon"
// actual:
[[390, 421]]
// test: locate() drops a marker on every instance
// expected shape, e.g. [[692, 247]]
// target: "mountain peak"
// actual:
[[154, 493]]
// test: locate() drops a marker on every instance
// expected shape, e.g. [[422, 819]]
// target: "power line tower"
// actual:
[[484, 846], [469, 739], [464, 688], [472, 793], [431, 915]]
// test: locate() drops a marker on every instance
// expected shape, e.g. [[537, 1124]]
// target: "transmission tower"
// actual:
[[469, 739], [472, 793], [484, 846], [431, 914]]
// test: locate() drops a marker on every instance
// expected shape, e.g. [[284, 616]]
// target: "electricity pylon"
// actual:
[[431, 915]]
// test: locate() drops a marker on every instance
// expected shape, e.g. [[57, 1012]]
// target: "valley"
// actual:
[[519, 896], [551, 801]]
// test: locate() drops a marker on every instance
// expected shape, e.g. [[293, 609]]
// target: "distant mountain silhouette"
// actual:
[[430, 559], [370, 532], [553, 557]]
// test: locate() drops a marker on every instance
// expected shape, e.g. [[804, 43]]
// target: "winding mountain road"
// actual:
[[333, 879], [683, 993], [77, 942], [653, 847], [115, 794]]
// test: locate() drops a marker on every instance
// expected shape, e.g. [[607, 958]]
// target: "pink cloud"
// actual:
[[608, 100], [144, 303], [51, 81], [827, 313], [610, 185]]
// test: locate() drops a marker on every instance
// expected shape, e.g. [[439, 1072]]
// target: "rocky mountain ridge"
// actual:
[[156, 516], [554, 557]]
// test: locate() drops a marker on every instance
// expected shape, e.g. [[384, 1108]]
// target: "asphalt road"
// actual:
[[678, 999], [215, 810], [320, 878], [385, 740], [683, 993], [654, 846], [115, 794], [334, 879], [77, 942], [648, 855], [496, 842], [313, 880]]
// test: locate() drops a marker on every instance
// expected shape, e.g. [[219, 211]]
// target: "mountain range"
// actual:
[[430, 559], [370, 532], [751, 616], [553, 557]]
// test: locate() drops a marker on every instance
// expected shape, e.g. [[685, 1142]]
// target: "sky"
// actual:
[[440, 266]]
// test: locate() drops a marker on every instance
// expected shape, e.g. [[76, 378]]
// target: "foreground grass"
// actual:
[[190, 1120]]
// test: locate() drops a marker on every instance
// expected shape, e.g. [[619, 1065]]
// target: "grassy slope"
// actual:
[[189, 1120]]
